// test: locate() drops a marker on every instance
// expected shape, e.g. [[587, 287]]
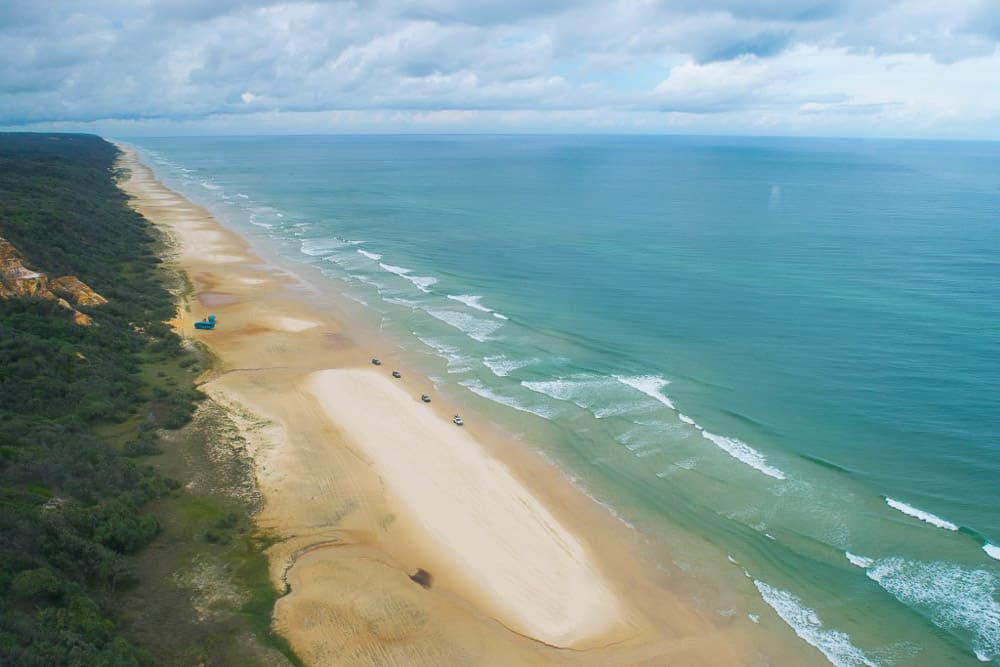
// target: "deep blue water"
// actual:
[[823, 316]]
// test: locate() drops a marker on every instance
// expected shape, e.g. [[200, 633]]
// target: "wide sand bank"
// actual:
[[364, 485], [493, 534]]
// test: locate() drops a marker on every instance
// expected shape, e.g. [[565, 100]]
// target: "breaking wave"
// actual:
[[470, 300], [474, 327], [457, 362], [744, 453], [421, 282], [649, 385], [834, 644], [502, 366], [952, 597], [321, 247], [480, 389], [859, 561], [910, 510]]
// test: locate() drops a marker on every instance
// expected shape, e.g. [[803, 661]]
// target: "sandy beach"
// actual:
[[532, 573], [365, 486]]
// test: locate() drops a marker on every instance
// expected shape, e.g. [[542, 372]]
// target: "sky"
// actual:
[[866, 68]]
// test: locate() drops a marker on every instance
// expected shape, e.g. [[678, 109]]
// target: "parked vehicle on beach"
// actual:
[[396, 374], [458, 420], [425, 398]]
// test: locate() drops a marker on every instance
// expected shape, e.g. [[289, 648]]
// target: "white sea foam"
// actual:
[[457, 362], [628, 437], [503, 366], [650, 385], [470, 300], [320, 247], [992, 551], [952, 597], [639, 442], [255, 221], [500, 316], [859, 561], [910, 510], [480, 389], [370, 255], [590, 392], [687, 464], [398, 270], [402, 302], [616, 409], [421, 282], [351, 262], [242, 196], [561, 390], [210, 186], [834, 644], [687, 420], [475, 327], [379, 287], [744, 453]]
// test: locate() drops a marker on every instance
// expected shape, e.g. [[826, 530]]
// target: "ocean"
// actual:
[[785, 349]]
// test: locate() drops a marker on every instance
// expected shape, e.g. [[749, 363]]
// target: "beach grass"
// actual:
[[205, 578]]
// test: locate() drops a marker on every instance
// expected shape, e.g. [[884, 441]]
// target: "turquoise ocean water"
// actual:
[[786, 348]]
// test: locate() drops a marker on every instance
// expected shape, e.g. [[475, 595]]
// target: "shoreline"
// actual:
[[338, 500]]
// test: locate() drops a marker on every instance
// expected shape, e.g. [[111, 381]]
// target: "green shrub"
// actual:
[[38, 583]]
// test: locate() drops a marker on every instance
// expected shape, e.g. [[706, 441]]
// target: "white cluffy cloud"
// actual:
[[892, 68]]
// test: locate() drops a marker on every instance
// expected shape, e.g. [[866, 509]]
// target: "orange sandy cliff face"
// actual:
[[18, 281]]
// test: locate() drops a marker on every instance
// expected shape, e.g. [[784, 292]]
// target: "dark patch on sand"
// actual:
[[422, 577], [337, 340], [251, 329], [208, 280], [216, 299]]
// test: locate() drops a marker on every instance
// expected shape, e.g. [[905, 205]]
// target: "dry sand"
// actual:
[[364, 485], [493, 534]]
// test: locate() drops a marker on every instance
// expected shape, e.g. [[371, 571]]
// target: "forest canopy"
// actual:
[[71, 504]]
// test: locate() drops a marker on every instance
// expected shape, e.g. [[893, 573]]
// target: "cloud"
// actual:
[[714, 87], [481, 13], [840, 66], [767, 10], [766, 43]]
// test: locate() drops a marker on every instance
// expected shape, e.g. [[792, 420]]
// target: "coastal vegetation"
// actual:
[[97, 445]]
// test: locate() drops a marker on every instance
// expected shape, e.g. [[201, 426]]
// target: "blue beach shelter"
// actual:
[[207, 323]]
